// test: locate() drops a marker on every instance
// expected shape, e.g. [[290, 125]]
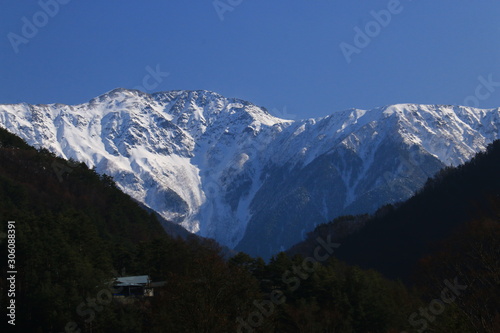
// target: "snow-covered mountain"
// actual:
[[227, 169]]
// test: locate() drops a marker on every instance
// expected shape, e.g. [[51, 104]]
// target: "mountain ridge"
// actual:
[[227, 169]]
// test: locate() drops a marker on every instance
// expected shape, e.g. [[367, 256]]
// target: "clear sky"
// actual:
[[297, 58]]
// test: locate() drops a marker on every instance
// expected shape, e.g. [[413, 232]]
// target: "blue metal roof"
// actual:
[[132, 280]]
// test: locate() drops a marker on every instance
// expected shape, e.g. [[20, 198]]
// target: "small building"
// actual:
[[137, 286]]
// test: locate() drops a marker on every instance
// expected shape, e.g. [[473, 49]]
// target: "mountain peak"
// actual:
[[227, 169]]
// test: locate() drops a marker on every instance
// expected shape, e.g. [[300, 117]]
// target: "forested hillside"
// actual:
[[450, 229], [396, 237], [75, 232]]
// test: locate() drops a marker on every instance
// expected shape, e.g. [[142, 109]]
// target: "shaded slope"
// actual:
[[394, 239]]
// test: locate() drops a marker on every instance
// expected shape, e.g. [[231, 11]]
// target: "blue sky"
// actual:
[[284, 55]]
